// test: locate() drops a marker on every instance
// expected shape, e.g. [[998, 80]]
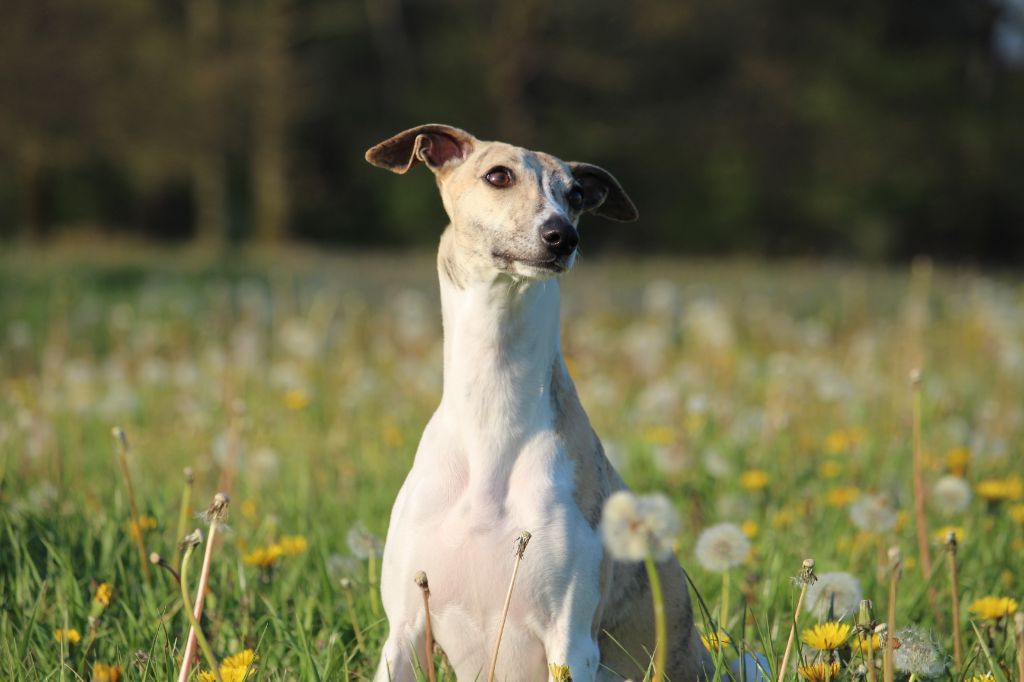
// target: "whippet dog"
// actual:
[[510, 447]]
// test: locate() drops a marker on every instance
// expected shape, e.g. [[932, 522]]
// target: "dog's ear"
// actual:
[[434, 144], [602, 193]]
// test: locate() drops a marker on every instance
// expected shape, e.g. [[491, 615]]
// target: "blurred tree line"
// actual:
[[870, 129]]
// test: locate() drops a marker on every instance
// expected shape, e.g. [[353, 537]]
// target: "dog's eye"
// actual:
[[575, 198], [499, 176]]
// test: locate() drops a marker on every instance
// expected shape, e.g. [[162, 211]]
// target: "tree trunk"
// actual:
[[270, 124], [208, 171]]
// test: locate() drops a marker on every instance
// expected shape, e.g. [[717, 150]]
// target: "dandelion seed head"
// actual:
[[919, 654], [635, 526], [721, 547], [951, 495], [837, 592], [873, 514], [362, 543]]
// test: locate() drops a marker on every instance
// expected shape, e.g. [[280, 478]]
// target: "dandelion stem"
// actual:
[[371, 570], [920, 523], [723, 618], [350, 603], [872, 674], [183, 513], [954, 598], [521, 542], [895, 560], [428, 642], [195, 633], [660, 631], [158, 560], [215, 514], [140, 542], [806, 578], [1018, 631]]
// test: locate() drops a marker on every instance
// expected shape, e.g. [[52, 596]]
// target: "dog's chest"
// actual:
[[459, 525]]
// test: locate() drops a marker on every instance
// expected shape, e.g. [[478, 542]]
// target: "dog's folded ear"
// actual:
[[602, 193], [434, 144]]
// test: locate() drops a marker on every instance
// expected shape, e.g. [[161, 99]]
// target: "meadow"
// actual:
[[776, 397]]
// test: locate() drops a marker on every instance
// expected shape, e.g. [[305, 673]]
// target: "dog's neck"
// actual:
[[501, 343]]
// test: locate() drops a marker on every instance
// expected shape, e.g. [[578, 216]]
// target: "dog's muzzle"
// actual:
[[560, 237]]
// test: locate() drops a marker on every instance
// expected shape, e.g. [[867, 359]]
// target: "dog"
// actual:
[[510, 447]]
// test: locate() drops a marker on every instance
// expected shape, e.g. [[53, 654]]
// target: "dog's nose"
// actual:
[[560, 236]]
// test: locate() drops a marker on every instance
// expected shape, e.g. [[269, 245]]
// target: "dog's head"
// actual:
[[512, 210]]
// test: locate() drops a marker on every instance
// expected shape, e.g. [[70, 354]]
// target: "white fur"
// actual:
[[489, 466]]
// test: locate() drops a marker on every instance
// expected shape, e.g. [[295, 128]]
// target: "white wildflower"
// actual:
[[873, 513], [637, 526], [362, 543], [721, 547], [709, 324], [951, 495], [919, 654], [837, 593]]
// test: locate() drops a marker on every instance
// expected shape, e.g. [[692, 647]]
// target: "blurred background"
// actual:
[[871, 130]]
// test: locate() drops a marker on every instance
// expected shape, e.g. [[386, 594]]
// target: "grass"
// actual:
[[300, 384]]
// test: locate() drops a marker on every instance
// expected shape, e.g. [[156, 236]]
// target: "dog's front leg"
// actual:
[[402, 654], [578, 650]]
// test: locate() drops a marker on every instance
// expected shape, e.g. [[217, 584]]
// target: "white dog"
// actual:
[[510, 447]]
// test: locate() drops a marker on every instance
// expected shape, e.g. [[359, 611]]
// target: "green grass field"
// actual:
[[775, 397]]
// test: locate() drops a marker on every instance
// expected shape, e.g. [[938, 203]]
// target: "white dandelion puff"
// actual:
[[721, 547], [919, 654], [837, 593], [951, 495], [362, 543], [873, 513], [637, 526]]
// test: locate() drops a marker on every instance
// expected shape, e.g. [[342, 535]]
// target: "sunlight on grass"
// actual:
[[772, 399]]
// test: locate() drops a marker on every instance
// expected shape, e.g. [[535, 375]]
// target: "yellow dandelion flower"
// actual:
[[660, 435], [826, 636], [104, 592], [234, 668], [72, 635], [143, 525], [783, 517], [713, 641], [1017, 513], [754, 479], [560, 673], [993, 608], [843, 496], [830, 469], [392, 435], [101, 672], [819, 672], [943, 533], [860, 642], [836, 442], [842, 440], [264, 557], [295, 399], [292, 544], [750, 529], [243, 659], [248, 508], [956, 461], [1009, 489], [987, 677]]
